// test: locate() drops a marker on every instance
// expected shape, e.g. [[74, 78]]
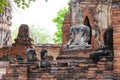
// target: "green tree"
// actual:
[[59, 21], [14, 34], [2, 5], [20, 3]]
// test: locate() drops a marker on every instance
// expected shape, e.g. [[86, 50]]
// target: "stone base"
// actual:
[[66, 54], [73, 57]]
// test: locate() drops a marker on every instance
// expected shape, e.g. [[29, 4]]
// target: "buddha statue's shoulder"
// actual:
[[79, 26], [76, 26]]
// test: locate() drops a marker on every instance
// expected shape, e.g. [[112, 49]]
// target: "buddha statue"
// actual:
[[79, 36]]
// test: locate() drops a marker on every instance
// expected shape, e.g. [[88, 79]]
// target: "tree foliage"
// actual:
[[39, 34], [23, 3], [20, 3], [59, 21], [2, 5], [14, 34]]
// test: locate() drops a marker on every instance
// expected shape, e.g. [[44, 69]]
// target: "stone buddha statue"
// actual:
[[79, 36]]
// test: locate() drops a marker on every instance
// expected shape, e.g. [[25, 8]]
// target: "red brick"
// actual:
[[44, 76], [53, 79], [117, 50], [116, 71], [91, 72], [91, 75], [83, 65], [93, 69], [103, 68], [99, 76], [101, 62]]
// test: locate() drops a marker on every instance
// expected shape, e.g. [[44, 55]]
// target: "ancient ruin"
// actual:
[[79, 35], [89, 51], [5, 23]]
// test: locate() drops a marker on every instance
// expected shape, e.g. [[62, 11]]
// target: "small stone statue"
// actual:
[[5, 57], [31, 55], [19, 57], [43, 53], [3, 77], [44, 60], [6, 39], [24, 36], [95, 55], [79, 37], [107, 49]]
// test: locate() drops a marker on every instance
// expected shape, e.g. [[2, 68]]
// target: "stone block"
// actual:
[[108, 73], [4, 64], [53, 79], [116, 51], [101, 63], [91, 72], [99, 76], [93, 65], [23, 76], [83, 65], [116, 66], [82, 75], [44, 76], [101, 68], [92, 69], [91, 76]]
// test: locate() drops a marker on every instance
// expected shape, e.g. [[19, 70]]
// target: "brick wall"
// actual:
[[70, 64], [66, 28], [53, 49], [96, 14], [116, 38], [22, 42], [3, 68], [83, 70]]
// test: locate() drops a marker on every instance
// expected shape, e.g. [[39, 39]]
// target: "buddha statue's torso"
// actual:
[[79, 37]]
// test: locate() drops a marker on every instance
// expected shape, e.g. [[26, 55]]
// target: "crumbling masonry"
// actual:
[[68, 64]]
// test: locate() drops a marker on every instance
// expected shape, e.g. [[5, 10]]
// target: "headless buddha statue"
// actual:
[[79, 36]]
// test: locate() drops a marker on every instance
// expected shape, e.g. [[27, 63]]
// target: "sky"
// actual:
[[39, 13]]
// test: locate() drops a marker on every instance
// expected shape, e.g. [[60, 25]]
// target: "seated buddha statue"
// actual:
[[79, 36]]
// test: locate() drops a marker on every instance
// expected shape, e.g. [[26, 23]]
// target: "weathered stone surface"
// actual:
[[116, 35], [53, 50], [65, 28], [23, 37], [76, 63], [4, 64], [79, 37], [5, 23]]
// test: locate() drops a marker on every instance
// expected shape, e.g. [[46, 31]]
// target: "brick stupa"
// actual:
[[22, 41], [23, 37]]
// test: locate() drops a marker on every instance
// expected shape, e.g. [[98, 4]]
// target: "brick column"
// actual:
[[116, 45], [66, 28], [116, 38]]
